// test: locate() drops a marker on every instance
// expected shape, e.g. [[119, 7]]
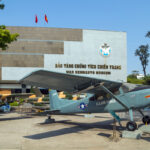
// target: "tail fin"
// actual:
[[53, 97], [56, 103]]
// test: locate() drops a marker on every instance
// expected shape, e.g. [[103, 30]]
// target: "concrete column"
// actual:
[[23, 86]]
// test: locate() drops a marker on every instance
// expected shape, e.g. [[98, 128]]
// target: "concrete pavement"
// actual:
[[69, 132]]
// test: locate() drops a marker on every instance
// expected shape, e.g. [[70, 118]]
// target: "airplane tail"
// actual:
[[65, 105], [55, 102]]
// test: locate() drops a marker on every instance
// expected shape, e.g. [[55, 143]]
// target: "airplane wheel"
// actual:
[[131, 126], [146, 120]]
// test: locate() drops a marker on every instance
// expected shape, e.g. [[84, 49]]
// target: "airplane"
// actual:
[[7, 97], [37, 97], [40, 102], [102, 96]]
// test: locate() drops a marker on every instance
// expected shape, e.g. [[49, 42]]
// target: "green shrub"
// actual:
[[14, 103], [134, 80], [147, 80], [45, 99], [21, 100], [69, 96], [38, 104], [132, 76]]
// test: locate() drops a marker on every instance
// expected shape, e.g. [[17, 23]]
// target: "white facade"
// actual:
[[87, 53]]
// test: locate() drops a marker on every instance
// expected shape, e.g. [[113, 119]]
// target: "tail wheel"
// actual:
[[146, 120], [131, 126]]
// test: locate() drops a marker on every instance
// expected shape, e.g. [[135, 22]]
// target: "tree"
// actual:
[[148, 34], [143, 54], [135, 72], [2, 6], [5, 36], [133, 79], [147, 80]]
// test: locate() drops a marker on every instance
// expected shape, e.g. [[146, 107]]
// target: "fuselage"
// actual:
[[135, 100]]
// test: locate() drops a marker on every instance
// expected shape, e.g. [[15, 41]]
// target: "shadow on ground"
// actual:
[[75, 129], [78, 115], [14, 118], [105, 135], [146, 138]]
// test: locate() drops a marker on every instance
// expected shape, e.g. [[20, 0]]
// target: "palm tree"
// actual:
[[143, 54], [148, 34], [2, 6]]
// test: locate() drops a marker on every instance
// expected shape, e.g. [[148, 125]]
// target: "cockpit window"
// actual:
[[116, 92], [128, 87], [140, 88], [92, 98], [125, 88]]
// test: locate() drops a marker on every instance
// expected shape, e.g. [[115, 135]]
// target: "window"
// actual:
[[92, 98], [124, 88]]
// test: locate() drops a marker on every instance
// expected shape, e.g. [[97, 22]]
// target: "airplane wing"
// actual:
[[67, 82]]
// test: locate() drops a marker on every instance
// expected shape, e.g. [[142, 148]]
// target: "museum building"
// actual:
[[93, 53]]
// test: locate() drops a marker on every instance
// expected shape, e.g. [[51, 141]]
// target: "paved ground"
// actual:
[[69, 132]]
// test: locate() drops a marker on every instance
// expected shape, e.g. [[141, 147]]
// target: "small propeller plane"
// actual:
[[8, 97], [101, 95], [37, 97]]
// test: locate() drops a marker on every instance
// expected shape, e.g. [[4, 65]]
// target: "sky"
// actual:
[[131, 16]]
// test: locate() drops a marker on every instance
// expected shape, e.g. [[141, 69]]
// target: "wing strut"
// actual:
[[85, 90], [107, 91]]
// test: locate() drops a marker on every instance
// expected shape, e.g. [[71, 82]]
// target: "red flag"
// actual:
[[46, 18], [36, 19]]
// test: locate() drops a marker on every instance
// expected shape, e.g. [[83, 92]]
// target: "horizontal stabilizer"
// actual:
[[51, 111]]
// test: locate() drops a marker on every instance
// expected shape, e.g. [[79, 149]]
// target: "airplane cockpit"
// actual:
[[128, 87], [124, 88]]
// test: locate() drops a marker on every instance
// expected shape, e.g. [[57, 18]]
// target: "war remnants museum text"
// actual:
[[88, 66]]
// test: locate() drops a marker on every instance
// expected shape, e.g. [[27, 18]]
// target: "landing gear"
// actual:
[[146, 120], [131, 126], [49, 119]]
